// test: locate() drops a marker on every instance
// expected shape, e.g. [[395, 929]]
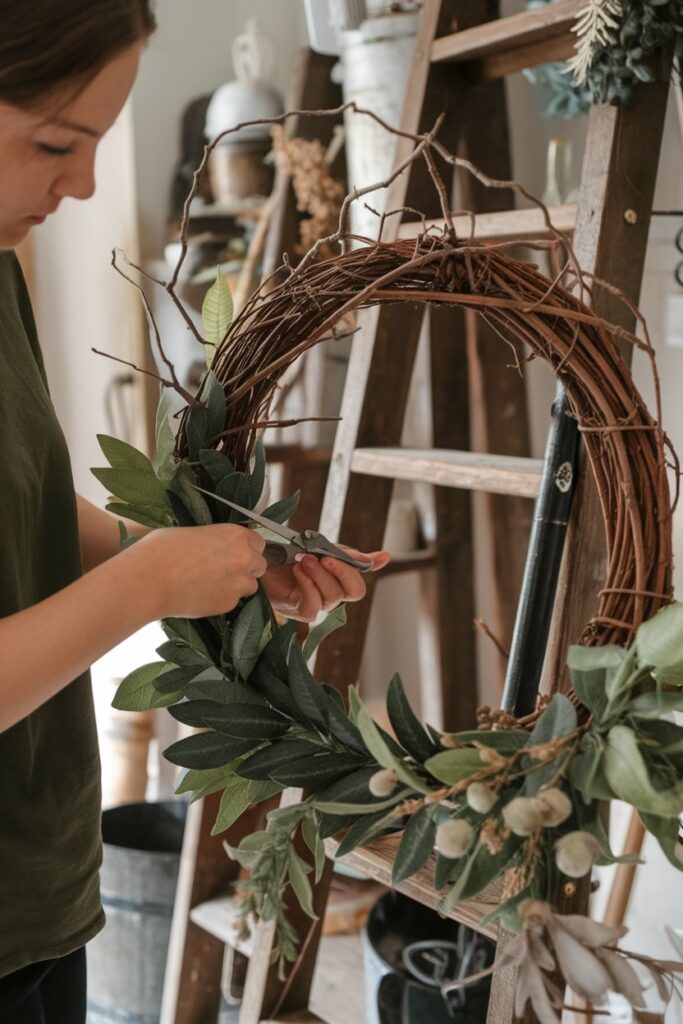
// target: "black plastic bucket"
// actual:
[[410, 952]]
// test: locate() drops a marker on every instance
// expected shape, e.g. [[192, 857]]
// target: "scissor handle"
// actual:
[[279, 554]]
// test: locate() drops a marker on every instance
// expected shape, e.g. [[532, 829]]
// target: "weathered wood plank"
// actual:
[[376, 861], [503, 226], [471, 471], [509, 44]]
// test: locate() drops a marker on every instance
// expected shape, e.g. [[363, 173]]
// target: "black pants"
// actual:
[[51, 992]]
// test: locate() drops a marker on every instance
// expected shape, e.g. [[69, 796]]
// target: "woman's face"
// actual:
[[48, 153]]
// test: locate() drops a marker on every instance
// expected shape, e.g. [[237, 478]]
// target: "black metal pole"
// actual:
[[535, 607]]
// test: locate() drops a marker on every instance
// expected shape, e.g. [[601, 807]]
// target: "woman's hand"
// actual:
[[199, 571], [302, 590]]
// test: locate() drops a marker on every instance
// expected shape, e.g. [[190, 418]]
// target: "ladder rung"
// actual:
[[506, 45], [220, 918], [471, 471], [507, 225], [410, 561], [376, 860]]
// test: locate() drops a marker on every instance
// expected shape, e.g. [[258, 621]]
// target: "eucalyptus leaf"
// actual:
[[182, 485], [182, 655], [332, 621], [628, 776], [206, 750], [121, 455], [452, 766], [587, 771], [665, 831], [193, 712], [409, 730], [656, 703], [592, 669], [211, 685], [659, 643], [137, 691], [187, 632], [415, 848], [234, 803], [666, 736], [176, 679]]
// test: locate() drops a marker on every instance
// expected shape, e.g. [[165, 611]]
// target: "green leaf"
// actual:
[[628, 776], [193, 712], [203, 782], [217, 309], [248, 721], [592, 668], [257, 477], [216, 464], [137, 691], [276, 692], [264, 764], [186, 632], [316, 772], [655, 704], [298, 872], [311, 837], [176, 679], [479, 872], [409, 730], [182, 484], [341, 808], [361, 832], [261, 790], [182, 654], [206, 750], [234, 803], [415, 847], [665, 831], [307, 693], [213, 396], [379, 749], [246, 635], [668, 736], [452, 766], [121, 455], [211, 685], [504, 741], [558, 719], [353, 787], [280, 511], [156, 518], [330, 623], [139, 489], [340, 726], [588, 819], [659, 643], [164, 438], [587, 772]]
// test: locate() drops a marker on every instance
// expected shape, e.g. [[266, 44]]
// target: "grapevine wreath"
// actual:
[[516, 802]]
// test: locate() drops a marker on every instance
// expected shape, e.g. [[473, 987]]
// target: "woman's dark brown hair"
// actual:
[[46, 45]]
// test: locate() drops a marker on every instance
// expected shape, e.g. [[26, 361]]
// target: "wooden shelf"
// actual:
[[410, 561], [471, 471], [506, 226], [506, 45], [376, 860]]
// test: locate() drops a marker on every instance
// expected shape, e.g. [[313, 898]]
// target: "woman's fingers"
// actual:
[[328, 584]]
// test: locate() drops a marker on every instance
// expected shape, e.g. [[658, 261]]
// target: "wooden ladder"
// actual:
[[463, 52]]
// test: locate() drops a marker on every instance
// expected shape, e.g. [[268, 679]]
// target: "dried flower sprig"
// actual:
[[596, 26]]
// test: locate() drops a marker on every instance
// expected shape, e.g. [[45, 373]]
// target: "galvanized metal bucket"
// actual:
[[126, 961]]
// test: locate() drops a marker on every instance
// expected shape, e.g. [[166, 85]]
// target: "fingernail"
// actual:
[[310, 561]]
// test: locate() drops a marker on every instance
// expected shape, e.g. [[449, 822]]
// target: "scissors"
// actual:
[[306, 542]]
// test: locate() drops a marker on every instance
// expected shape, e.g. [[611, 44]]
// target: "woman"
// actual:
[[66, 594]]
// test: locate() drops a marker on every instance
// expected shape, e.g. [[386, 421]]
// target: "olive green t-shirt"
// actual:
[[50, 834]]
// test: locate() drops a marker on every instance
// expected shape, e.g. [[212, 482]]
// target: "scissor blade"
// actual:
[[282, 531]]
